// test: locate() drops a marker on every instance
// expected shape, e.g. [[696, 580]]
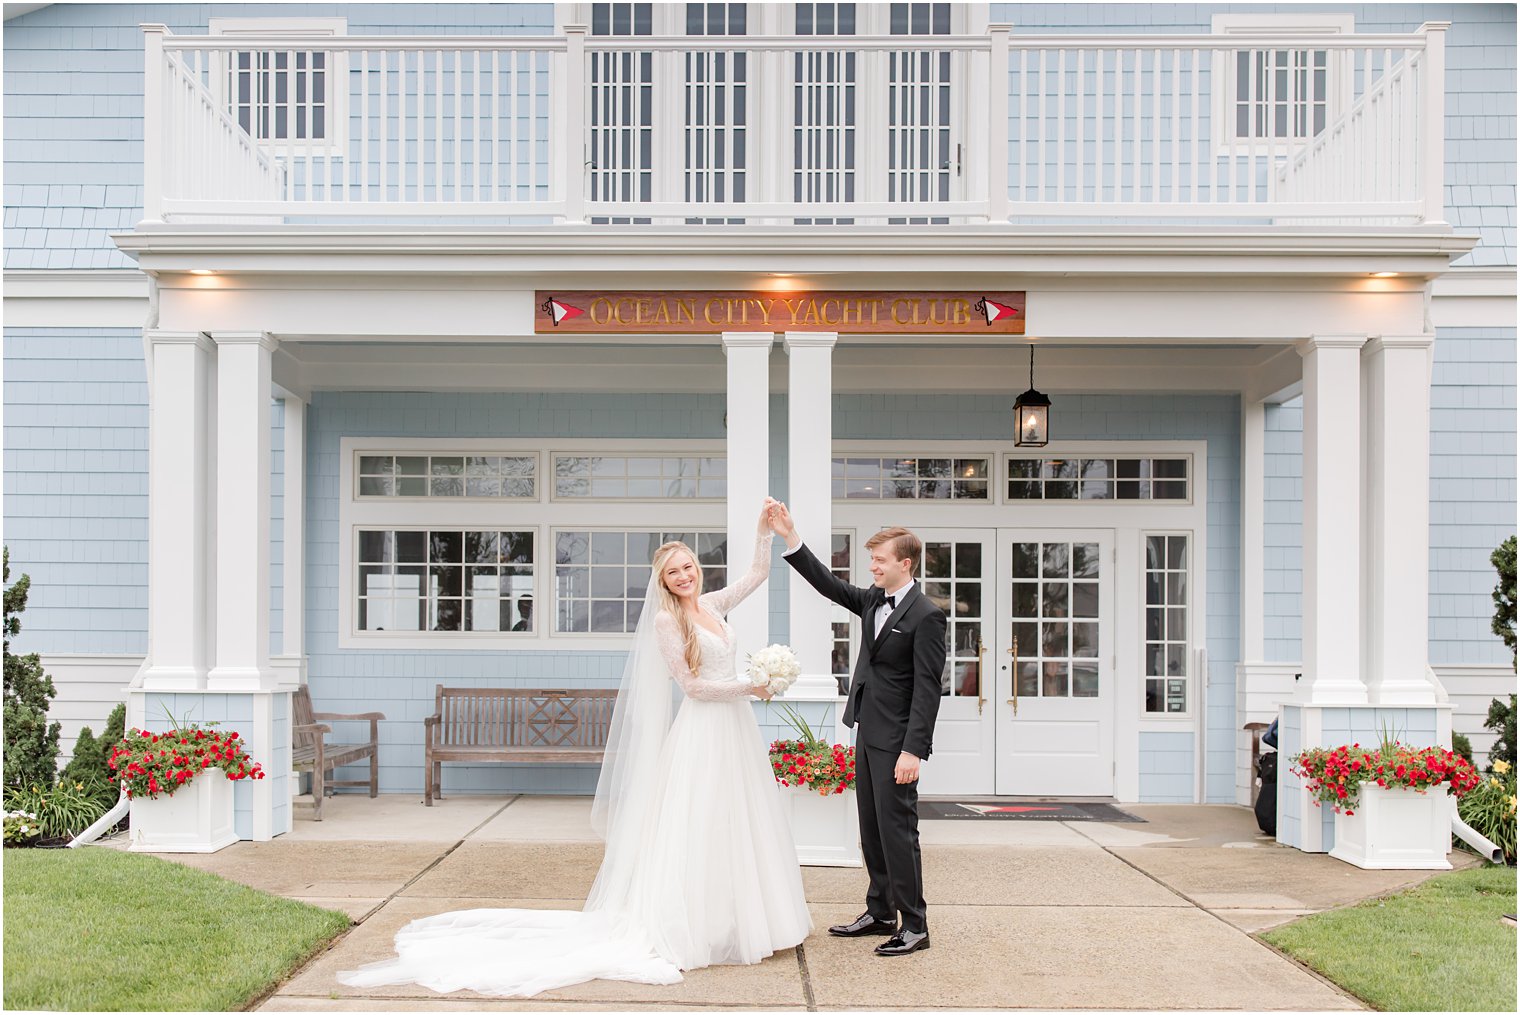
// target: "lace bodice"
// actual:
[[718, 680]]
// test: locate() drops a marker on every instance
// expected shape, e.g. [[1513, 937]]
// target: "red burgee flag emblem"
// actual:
[[993, 310], [559, 311], [1008, 809]]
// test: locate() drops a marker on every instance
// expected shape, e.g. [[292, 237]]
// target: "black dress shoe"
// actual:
[[904, 943], [864, 925]]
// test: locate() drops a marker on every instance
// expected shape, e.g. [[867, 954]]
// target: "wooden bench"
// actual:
[[310, 751], [510, 724]]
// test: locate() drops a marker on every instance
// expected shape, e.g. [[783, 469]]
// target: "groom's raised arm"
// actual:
[[825, 581]]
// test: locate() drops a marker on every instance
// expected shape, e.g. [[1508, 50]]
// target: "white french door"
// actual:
[[956, 575], [1055, 674]]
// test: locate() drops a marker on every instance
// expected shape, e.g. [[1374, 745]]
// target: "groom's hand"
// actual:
[[781, 523], [907, 769]]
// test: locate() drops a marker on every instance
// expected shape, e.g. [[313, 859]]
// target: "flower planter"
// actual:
[[825, 828], [196, 819], [1396, 829]]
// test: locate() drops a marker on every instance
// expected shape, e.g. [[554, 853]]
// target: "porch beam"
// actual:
[[749, 462]]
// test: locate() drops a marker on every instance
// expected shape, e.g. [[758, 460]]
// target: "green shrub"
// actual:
[[63, 811], [1462, 747], [1503, 560], [31, 742], [1490, 809], [88, 763], [1501, 719]]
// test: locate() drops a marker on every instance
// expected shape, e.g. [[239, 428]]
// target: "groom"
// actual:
[[894, 698]]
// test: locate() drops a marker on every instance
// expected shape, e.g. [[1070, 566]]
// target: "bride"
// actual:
[[699, 867]]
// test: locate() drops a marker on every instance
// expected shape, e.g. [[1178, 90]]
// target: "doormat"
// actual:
[[1037, 810]]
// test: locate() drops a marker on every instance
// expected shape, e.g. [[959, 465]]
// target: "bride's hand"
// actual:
[[763, 693], [766, 511]]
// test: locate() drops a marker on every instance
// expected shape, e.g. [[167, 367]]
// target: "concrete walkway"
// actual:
[[1023, 914]]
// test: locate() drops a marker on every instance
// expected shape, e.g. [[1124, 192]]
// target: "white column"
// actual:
[[293, 599], [1398, 518], [749, 464], [810, 439], [244, 393], [1253, 532], [179, 397], [1332, 522]]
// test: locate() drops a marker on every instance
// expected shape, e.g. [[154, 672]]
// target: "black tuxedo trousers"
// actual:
[[893, 703]]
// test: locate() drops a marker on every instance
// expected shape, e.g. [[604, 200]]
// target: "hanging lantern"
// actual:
[[1031, 414]]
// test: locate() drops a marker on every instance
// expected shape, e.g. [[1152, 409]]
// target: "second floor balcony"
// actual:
[[992, 130]]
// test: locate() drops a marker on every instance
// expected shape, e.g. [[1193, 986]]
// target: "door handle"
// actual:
[[981, 695], [1014, 701]]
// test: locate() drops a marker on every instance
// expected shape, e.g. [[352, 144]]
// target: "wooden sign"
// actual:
[[855, 312]]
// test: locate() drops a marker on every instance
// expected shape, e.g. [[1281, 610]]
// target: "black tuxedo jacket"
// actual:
[[895, 690]]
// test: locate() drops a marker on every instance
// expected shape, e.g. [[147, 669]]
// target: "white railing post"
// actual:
[[572, 145], [1433, 123], [154, 127], [997, 125]]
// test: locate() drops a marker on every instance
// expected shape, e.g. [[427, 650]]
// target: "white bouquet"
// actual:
[[774, 668]]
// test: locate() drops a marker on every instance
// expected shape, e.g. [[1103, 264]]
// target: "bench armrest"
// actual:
[[358, 715], [315, 727], [432, 720]]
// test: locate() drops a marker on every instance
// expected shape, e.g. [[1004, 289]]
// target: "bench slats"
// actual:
[[513, 724]]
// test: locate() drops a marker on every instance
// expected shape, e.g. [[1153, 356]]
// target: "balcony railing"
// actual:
[[765, 130]]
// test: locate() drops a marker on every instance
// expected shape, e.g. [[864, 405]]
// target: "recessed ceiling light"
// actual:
[[202, 271], [1385, 274]]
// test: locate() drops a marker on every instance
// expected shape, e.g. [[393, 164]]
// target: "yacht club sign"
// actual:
[[699, 312]]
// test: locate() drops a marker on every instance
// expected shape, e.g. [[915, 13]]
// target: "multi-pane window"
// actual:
[[640, 477], [862, 478], [622, 110], [715, 133], [1106, 478], [284, 96], [1055, 618], [922, 155], [445, 580], [839, 657], [1166, 623], [825, 112], [953, 580], [600, 577], [1281, 93], [462, 476]]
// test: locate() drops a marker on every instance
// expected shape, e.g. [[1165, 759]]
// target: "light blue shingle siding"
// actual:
[[73, 82], [1472, 499]]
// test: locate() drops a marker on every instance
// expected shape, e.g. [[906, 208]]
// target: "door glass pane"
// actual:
[[1058, 657], [955, 586]]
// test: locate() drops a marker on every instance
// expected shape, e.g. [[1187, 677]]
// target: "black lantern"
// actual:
[[1031, 414]]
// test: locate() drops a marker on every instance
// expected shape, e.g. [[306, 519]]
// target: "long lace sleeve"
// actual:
[[725, 599], [672, 649]]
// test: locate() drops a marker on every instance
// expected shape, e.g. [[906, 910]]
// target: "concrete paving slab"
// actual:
[[1065, 957], [1254, 921], [541, 818], [776, 982], [995, 832], [1278, 877], [526, 870], [449, 1004], [285, 866], [357, 909], [1005, 876], [393, 817]]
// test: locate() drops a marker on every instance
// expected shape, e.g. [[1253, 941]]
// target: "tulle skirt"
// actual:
[[713, 880]]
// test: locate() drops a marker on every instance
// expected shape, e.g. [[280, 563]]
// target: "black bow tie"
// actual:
[[891, 602]]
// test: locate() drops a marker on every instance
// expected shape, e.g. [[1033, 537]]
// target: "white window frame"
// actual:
[[1190, 643], [1337, 85], [543, 515], [334, 144], [1108, 452]]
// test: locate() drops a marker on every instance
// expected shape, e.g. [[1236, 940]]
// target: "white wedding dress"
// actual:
[[703, 870]]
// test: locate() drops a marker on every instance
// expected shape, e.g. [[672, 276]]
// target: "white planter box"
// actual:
[[196, 819], [825, 829], [1396, 829]]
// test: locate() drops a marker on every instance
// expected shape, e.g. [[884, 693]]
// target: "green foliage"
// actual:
[[1462, 747], [1503, 560], [88, 764], [21, 828], [1441, 946], [1490, 809], [1501, 719], [107, 930], [63, 811], [31, 742]]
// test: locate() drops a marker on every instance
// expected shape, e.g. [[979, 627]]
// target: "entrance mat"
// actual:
[[1024, 810]]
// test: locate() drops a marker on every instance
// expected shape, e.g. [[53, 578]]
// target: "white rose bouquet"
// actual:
[[774, 668]]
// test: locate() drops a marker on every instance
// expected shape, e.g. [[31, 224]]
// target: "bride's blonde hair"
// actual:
[[672, 605]]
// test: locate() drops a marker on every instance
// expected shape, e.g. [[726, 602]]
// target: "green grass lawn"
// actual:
[[1438, 947], [101, 930]]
